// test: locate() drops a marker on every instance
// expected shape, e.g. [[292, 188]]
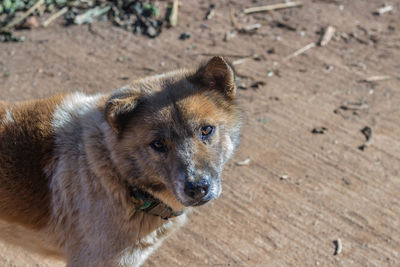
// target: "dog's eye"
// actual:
[[158, 146], [207, 131]]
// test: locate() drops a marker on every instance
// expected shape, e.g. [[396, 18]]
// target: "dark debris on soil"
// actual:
[[133, 15]]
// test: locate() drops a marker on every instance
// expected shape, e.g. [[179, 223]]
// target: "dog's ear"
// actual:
[[120, 106], [217, 74]]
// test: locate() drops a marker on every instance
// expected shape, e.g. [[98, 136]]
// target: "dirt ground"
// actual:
[[300, 191]]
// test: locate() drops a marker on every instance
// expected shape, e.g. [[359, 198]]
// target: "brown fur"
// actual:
[[26, 146], [66, 163]]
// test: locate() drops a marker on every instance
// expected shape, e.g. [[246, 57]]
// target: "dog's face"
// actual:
[[175, 133]]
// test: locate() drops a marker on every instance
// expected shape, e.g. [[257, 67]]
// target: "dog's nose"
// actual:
[[197, 189]]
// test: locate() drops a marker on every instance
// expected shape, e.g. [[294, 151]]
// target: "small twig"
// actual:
[[353, 106], [271, 7], [16, 21], [376, 78], [250, 28], [383, 10], [300, 51], [89, 15], [327, 36], [55, 16], [285, 25], [242, 29], [242, 60], [234, 21], [173, 17], [243, 163], [244, 76], [225, 55]]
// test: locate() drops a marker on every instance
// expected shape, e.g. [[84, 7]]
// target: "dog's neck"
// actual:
[[145, 202]]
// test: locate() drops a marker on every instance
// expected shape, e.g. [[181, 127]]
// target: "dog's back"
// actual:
[[26, 143]]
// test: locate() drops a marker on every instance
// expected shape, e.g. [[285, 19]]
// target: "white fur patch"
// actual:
[[74, 105], [216, 190], [8, 118], [139, 256]]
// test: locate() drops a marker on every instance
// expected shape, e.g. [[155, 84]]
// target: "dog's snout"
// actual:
[[197, 189]]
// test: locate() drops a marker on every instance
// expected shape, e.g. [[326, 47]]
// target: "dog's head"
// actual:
[[175, 132]]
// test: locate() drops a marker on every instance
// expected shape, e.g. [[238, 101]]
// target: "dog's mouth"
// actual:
[[146, 202], [201, 202]]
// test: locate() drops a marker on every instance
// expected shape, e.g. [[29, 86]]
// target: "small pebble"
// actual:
[[243, 163], [271, 51], [329, 68], [257, 84], [151, 31], [284, 177], [339, 247], [346, 181], [184, 36], [319, 130]]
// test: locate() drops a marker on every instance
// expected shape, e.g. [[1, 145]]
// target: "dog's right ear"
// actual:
[[120, 106]]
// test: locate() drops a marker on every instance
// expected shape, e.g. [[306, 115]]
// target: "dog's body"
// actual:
[[68, 164]]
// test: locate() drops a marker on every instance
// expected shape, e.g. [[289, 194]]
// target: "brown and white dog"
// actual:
[[101, 180]]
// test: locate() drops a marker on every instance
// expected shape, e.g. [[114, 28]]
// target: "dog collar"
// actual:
[[145, 202]]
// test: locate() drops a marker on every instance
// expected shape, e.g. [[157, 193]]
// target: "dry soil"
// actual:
[[300, 191]]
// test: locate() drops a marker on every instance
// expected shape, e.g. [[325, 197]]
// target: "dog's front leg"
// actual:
[[84, 255], [87, 255], [128, 257]]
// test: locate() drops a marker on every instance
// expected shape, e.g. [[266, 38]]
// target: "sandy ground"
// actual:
[[333, 190]]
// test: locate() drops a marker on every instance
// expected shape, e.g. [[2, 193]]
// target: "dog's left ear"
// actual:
[[217, 74], [120, 106]]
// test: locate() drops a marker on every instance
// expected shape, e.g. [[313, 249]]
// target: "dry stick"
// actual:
[[244, 76], [173, 19], [26, 14], [377, 78], [244, 162], [224, 55], [55, 16], [242, 29], [242, 60], [235, 23], [271, 7], [328, 34], [250, 28], [300, 51]]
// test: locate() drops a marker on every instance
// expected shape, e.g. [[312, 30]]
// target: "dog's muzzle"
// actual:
[[201, 191]]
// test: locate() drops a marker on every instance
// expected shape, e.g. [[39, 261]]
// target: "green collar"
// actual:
[[145, 202]]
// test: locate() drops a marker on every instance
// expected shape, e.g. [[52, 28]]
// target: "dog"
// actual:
[[102, 180]]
